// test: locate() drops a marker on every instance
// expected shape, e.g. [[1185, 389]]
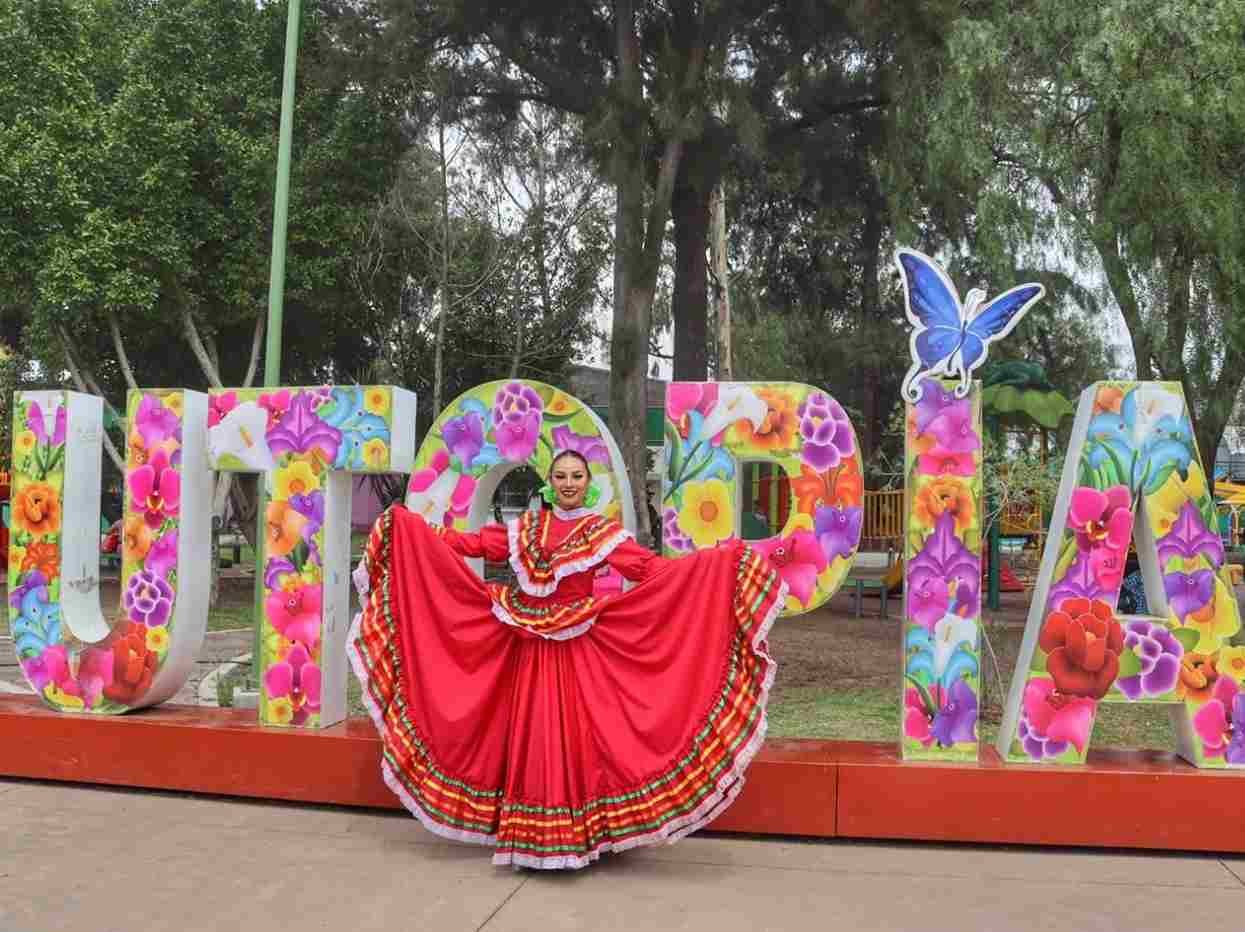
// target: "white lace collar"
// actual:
[[572, 514]]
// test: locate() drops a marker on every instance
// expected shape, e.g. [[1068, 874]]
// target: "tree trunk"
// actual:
[[690, 301], [872, 411], [444, 272], [720, 268]]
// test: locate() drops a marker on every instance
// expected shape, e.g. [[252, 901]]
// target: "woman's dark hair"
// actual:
[[562, 454]]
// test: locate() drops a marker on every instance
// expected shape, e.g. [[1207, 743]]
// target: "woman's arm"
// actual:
[[490, 542], [634, 562]]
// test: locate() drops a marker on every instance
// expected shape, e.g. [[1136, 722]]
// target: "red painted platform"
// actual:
[[795, 787]]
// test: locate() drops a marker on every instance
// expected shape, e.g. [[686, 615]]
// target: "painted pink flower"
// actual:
[[517, 413], [154, 422], [438, 493], [684, 397], [276, 404], [1220, 723], [156, 490], [219, 406], [916, 723], [1103, 522], [295, 613], [297, 679], [34, 421], [94, 672], [798, 559], [1055, 716], [939, 462], [952, 429]]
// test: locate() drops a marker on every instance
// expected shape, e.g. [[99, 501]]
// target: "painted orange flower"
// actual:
[[942, 495], [1108, 400], [810, 489], [1198, 674], [285, 528], [136, 538], [44, 557], [918, 443], [37, 509], [777, 431], [849, 485]]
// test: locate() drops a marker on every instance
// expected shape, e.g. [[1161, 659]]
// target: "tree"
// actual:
[[1112, 135]]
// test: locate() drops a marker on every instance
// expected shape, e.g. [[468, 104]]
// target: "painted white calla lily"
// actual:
[[241, 433], [1153, 404], [949, 633], [735, 403], [432, 503]]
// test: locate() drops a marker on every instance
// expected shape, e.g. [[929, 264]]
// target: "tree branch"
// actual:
[[196, 345], [80, 379], [122, 358], [257, 341]]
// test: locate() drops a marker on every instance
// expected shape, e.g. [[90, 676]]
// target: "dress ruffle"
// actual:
[[559, 751]]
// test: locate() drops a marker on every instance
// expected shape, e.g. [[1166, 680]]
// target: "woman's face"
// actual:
[[570, 481]]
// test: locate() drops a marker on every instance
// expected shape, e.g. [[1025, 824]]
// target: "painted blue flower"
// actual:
[[38, 626]]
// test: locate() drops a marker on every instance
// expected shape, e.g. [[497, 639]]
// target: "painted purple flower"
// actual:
[[34, 421], [464, 435], [517, 413], [826, 431], [1036, 744], [593, 448], [1079, 581], [162, 556], [34, 580], [1189, 537], [154, 422], [952, 429], [276, 568], [1187, 592], [148, 599], [838, 530], [59, 426], [672, 535], [934, 400], [311, 507], [1220, 722], [1159, 653], [943, 568], [957, 719], [299, 429]]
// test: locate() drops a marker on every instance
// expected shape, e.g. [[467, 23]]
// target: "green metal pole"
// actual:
[[276, 288]]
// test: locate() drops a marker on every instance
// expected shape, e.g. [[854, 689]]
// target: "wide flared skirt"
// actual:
[[555, 751]]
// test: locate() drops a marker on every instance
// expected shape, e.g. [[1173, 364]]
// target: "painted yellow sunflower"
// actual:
[[280, 711], [707, 515], [376, 400], [158, 639], [1164, 505], [376, 453], [298, 478]]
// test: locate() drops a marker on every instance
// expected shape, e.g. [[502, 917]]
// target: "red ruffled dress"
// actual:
[[547, 722]]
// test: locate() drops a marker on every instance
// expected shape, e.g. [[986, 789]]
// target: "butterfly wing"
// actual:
[[933, 307], [995, 321]]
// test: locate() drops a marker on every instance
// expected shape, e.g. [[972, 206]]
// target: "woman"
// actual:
[[547, 722]]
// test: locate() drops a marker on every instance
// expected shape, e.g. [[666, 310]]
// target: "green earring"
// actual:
[[593, 496], [548, 494]]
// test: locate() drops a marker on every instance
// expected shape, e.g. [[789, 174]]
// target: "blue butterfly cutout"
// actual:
[[950, 338]]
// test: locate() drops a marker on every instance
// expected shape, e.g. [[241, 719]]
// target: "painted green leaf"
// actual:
[[1187, 637], [1130, 664]]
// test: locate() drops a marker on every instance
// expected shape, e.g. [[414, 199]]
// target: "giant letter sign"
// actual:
[[712, 427], [307, 442], [1132, 465], [942, 573], [498, 427], [74, 657]]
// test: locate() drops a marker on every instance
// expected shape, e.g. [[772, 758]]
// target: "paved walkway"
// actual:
[[99, 860]]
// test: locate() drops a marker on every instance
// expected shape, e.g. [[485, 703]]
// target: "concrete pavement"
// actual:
[[93, 859]]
